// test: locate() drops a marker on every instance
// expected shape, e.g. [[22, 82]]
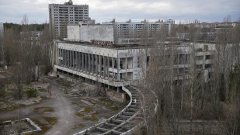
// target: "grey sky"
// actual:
[[122, 10]]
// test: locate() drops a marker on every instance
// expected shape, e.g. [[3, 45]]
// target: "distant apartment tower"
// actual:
[[136, 32], [60, 15], [1, 29], [1, 43]]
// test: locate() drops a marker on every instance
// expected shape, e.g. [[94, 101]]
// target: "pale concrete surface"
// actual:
[[64, 111]]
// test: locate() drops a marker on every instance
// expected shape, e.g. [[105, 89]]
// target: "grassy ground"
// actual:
[[44, 126], [43, 109], [114, 106]]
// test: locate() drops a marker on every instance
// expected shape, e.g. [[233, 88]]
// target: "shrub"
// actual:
[[2, 91], [32, 93]]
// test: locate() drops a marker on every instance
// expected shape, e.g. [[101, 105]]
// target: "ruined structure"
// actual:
[[91, 52]]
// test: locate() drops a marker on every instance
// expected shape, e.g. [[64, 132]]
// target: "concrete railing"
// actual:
[[128, 92]]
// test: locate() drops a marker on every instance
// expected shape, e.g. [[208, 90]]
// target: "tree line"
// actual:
[[189, 97], [22, 55]]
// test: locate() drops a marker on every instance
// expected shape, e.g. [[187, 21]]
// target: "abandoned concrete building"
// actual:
[[91, 52], [114, 66]]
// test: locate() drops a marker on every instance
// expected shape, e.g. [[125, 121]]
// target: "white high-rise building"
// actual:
[[60, 15], [135, 32], [1, 42], [1, 29]]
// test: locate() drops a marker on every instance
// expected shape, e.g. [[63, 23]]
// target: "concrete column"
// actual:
[[93, 63], [78, 61], [63, 57], [74, 60], [108, 67], [118, 68], [82, 55], [96, 64], [126, 66], [86, 64], [100, 65], [104, 66], [71, 59], [59, 55], [69, 63], [85, 61], [89, 64], [117, 89], [113, 64], [68, 58]]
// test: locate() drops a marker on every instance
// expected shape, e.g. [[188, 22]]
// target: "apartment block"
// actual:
[[140, 32], [60, 15], [204, 54]]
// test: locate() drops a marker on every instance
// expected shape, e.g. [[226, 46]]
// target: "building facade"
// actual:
[[91, 52], [140, 32], [204, 59], [60, 15], [113, 66]]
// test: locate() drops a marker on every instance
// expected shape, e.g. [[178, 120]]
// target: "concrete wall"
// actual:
[[116, 96], [97, 32], [73, 32]]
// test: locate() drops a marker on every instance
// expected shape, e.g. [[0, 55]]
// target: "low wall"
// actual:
[[116, 96]]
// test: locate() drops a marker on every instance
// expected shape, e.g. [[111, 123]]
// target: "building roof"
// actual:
[[113, 46]]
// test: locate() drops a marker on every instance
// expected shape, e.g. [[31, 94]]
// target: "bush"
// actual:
[[32, 93], [2, 91]]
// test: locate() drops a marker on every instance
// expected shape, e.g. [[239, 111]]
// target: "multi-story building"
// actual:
[[204, 54], [1, 42], [1, 29], [91, 52], [113, 66], [140, 32], [60, 15]]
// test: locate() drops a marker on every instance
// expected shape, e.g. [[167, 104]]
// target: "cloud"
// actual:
[[106, 10]]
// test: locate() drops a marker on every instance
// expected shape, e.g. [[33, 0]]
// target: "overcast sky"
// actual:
[[122, 10]]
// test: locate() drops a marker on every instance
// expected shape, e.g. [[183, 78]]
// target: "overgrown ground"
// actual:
[[50, 104]]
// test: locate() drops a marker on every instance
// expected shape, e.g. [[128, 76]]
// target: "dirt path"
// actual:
[[64, 111]]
